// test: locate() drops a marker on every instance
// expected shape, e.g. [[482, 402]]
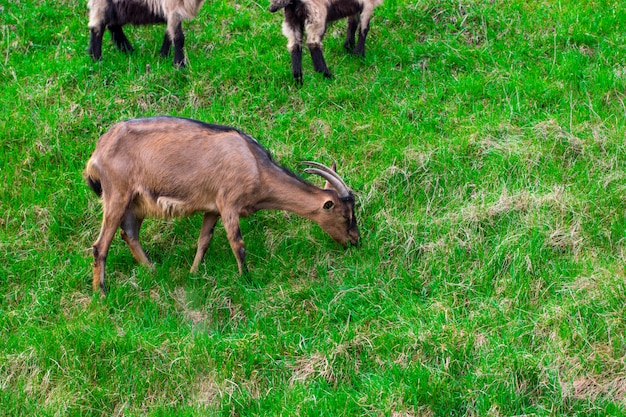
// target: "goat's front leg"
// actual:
[[206, 233], [366, 15], [114, 208], [293, 31], [95, 42], [100, 252], [296, 63], [177, 38], [233, 231], [353, 23], [315, 32], [319, 64], [165, 47], [121, 41]]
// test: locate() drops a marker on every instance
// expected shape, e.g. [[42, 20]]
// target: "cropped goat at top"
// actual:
[[313, 16], [170, 167], [113, 14]]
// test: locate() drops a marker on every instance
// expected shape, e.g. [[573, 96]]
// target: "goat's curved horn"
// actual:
[[324, 168], [329, 175]]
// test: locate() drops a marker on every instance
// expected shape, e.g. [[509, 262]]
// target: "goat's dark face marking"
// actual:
[[339, 221], [276, 5]]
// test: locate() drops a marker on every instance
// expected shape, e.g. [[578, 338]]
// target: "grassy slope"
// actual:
[[485, 141]]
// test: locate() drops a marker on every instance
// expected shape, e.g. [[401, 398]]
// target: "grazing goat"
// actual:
[[113, 14], [167, 167], [313, 16]]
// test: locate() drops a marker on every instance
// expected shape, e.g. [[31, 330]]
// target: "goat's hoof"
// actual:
[[100, 289], [94, 56]]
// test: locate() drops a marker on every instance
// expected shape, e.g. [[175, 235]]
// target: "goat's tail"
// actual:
[[93, 179]]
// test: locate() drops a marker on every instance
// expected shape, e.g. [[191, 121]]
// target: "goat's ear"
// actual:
[[328, 204]]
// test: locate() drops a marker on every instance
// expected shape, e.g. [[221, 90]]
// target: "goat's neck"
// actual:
[[284, 192]]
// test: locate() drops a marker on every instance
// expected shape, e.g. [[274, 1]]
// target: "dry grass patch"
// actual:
[[208, 391], [565, 238], [551, 130], [332, 365], [196, 317], [592, 387], [524, 201], [611, 384]]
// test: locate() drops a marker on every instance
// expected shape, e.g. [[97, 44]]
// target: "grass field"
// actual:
[[484, 141]]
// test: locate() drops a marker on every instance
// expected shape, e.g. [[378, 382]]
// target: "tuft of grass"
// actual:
[[484, 142]]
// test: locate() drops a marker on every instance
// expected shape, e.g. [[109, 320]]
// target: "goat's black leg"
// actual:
[[319, 65], [122, 43], [292, 29], [296, 63], [360, 46], [95, 42], [366, 15], [165, 47], [178, 40], [353, 23]]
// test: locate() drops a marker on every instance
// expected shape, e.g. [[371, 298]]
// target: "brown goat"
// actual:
[[169, 167]]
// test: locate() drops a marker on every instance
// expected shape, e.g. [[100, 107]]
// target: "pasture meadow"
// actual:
[[484, 141]]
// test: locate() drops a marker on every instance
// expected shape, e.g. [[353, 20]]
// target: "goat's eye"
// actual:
[[328, 205]]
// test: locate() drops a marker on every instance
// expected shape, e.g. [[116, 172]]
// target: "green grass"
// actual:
[[484, 140]]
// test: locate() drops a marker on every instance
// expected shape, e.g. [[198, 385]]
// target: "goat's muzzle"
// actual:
[[276, 5], [354, 239], [353, 243]]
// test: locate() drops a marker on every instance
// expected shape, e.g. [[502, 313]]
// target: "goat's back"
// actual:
[[176, 158]]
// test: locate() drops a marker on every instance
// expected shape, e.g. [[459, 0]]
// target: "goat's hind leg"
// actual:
[[113, 214], [130, 233], [121, 41], [206, 233]]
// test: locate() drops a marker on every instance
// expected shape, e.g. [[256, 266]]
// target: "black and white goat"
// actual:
[[113, 14], [313, 16], [166, 167]]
